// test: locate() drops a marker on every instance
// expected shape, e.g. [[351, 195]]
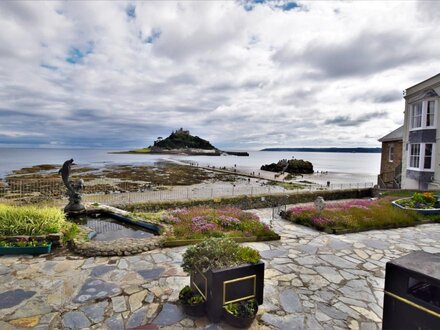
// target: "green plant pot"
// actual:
[[26, 249]]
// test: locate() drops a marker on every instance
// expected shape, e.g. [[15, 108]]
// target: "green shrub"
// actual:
[[70, 232], [189, 296], [243, 309], [248, 255], [215, 253], [30, 220]]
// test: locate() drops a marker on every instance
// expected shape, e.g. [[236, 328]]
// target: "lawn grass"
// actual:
[[141, 151], [357, 215]]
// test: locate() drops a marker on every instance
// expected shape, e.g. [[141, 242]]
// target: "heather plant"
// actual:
[[353, 215], [202, 222]]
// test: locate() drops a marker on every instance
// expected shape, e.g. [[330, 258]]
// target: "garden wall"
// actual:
[[246, 202]]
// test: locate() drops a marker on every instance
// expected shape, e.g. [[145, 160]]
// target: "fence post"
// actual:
[[252, 191], [232, 190], [160, 194], [212, 192], [187, 192]]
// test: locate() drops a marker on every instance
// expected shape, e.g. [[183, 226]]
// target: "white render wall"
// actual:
[[412, 95]]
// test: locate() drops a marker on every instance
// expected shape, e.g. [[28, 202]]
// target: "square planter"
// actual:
[[26, 249], [223, 286]]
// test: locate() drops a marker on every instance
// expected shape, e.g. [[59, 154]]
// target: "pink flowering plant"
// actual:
[[201, 222], [353, 215]]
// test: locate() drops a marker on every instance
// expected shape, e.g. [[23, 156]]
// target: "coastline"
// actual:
[[184, 153]]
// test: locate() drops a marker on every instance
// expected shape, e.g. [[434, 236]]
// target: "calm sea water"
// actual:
[[347, 167]]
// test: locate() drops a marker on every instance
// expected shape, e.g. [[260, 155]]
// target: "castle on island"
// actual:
[[179, 131]]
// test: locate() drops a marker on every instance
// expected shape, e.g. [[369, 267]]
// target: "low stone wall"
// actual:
[[119, 247], [246, 202]]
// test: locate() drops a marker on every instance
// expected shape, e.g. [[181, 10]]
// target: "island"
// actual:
[[333, 149], [181, 142], [292, 166]]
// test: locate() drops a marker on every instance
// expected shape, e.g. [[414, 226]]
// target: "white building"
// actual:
[[421, 147]]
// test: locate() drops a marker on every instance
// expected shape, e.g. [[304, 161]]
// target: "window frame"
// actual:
[[391, 153], [421, 157], [423, 116]]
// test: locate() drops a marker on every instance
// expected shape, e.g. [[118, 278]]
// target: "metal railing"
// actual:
[[116, 192]]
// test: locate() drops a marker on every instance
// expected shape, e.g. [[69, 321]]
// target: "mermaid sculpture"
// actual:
[[73, 188]]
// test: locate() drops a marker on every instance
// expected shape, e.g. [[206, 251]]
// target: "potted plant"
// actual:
[[240, 314], [224, 272], [25, 246], [192, 302]]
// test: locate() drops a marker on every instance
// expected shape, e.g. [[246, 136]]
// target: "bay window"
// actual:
[[422, 114], [421, 156]]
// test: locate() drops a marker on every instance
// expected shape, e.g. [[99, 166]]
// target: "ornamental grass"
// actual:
[[203, 222], [356, 215], [30, 220]]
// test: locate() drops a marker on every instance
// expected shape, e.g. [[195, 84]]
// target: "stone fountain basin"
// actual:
[[114, 231]]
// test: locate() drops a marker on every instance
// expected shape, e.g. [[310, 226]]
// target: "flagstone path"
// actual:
[[312, 281]]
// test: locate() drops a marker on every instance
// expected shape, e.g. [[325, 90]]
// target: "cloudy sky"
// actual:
[[242, 74]]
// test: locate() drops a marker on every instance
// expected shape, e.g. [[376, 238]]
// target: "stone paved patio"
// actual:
[[313, 281]]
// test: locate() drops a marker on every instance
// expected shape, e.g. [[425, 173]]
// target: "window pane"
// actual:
[[428, 156], [391, 153], [414, 158], [430, 114], [416, 115]]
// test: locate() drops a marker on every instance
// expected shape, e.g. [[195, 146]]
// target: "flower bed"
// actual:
[[25, 246], [197, 223], [353, 216], [424, 203]]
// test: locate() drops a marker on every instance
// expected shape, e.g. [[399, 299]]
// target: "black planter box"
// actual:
[[237, 322], [412, 292], [223, 286]]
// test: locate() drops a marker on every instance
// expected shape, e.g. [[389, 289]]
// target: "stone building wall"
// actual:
[[387, 168]]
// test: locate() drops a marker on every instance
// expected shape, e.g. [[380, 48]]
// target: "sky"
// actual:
[[242, 74]]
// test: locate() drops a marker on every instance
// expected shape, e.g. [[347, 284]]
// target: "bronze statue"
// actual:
[[73, 188]]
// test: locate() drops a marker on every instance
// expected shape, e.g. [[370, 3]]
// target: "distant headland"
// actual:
[[348, 150], [181, 142]]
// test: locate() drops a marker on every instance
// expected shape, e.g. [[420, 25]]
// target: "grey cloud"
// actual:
[[378, 96], [428, 10], [300, 97], [346, 121], [365, 54]]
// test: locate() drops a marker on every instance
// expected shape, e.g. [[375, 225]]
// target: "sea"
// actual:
[[334, 167]]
